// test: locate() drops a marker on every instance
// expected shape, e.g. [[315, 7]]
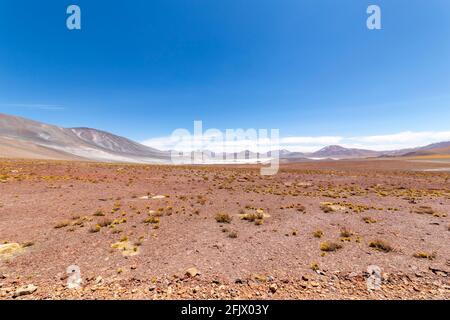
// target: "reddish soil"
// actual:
[[270, 258]]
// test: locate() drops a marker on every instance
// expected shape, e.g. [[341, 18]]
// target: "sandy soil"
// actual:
[[135, 230]]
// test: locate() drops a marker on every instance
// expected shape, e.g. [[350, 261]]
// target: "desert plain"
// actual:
[[225, 232]]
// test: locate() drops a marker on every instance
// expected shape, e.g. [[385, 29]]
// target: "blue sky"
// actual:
[[310, 68]]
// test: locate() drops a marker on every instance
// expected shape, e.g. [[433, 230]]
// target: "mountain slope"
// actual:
[[79, 143], [343, 153]]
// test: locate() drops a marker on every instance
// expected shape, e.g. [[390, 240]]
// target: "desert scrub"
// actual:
[[315, 266], [257, 217], [27, 244], [95, 229], [62, 224], [423, 210], [318, 234], [105, 222], [380, 245], [428, 210], [223, 218], [369, 220], [346, 235], [329, 246], [99, 213], [328, 207], [233, 234], [152, 220], [425, 255]]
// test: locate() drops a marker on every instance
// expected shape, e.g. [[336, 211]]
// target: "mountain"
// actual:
[[41, 140], [441, 148], [339, 152], [23, 138]]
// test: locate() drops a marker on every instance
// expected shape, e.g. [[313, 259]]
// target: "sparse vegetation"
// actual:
[[425, 255], [152, 220], [233, 235], [369, 220], [330, 246], [62, 224], [95, 229], [223, 217], [105, 222], [27, 244], [380, 245], [99, 213], [345, 233], [315, 266], [318, 234]]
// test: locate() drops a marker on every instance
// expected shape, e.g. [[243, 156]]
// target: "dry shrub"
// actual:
[[329, 246], [425, 255], [318, 234], [223, 218], [381, 245]]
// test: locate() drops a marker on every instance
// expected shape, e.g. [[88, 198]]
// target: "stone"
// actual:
[[273, 288], [26, 290], [192, 272]]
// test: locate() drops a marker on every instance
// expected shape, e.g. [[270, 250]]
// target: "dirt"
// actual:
[[134, 230]]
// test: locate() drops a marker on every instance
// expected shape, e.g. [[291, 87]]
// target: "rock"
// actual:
[[238, 281], [196, 289], [273, 288], [192, 272], [26, 290], [260, 278], [152, 288], [98, 280]]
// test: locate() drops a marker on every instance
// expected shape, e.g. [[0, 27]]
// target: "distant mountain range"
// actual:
[[23, 138], [20, 137]]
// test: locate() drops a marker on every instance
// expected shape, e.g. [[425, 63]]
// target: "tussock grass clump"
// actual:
[[99, 213], [258, 217], [62, 224], [423, 210], [345, 233], [152, 220], [223, 217], [105, 222], [315, 266], [318, 234], [425, 255], [95, 229], [27, 244], [369, 220], [233, 234], [329, 246], [428, 210], [381, 245]]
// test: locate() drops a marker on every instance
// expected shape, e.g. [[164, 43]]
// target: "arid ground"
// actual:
[[166, 232]]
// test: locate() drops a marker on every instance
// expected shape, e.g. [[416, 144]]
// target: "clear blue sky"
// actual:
[[310, 68]]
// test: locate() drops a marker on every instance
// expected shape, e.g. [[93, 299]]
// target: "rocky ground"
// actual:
[[163, 232]]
